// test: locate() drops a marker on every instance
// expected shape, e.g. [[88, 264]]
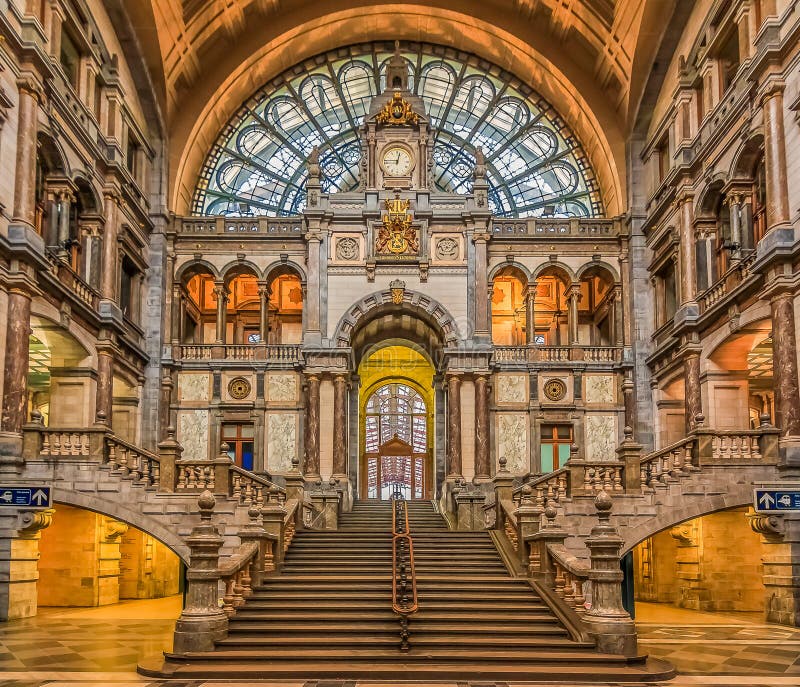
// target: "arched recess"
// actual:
[[509, 306], [555, 316], [600, 307], [259, 58], [120, 510], [285, 308]]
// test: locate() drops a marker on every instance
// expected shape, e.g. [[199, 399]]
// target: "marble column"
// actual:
[[481, 239], [454, 426], [222, 310], [693, 401], [311, 463], [340, 426], [619, 322], [686, 247], [176, 324], [25, 179], [784, 363], [263, 323], [775, 159], [530, 314], [108, 282], [482, 468], [573, 297], [15, 372], [104, 402], [311, 304]]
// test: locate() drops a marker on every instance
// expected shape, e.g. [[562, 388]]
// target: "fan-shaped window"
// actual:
[[535, 166], [396, 410]]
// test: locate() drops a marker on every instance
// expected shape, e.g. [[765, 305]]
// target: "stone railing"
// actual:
[[66, 276], [554, 227], [570, 575], [279, 227], [553, 486], [235, 573], [738, 273], [537, 353], [284, 354], [660, 468], [135, 462]]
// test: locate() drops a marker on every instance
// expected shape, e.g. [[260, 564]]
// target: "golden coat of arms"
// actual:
[[397, 111], [397, 236]]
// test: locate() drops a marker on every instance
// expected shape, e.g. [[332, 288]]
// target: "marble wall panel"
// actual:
[[193, 434], [601, 438], [193, 387], [282, 388], [511, 388], [512, 441], [600, 388], [281, 441]]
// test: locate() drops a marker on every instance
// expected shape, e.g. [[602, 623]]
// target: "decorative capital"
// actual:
[[28, 83]]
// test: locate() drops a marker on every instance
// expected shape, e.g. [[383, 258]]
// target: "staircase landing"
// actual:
[[329, 615]]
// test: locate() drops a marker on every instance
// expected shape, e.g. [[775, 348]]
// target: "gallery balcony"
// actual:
[[274, 355], [557, 354]]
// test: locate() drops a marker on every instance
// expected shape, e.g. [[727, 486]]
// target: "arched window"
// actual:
[[535, 165]]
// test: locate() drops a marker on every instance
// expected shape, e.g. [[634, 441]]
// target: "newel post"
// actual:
[[169, 453], [273, 515], [540, 565], [608, 621], [254, 531], [32, 436], [529, 518], [202, 621]]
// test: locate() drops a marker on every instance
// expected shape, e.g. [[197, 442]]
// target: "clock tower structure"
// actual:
[[396, 135]]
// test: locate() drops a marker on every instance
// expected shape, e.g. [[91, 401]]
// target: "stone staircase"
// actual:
[[328, 614]]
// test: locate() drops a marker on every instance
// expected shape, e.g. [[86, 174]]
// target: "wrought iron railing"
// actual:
[[404, 579]]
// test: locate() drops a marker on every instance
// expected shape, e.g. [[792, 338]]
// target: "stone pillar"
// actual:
[[530, 314], [784, 363], [454, 426], [778, 211], [108, 281], [312, 304], [619, 323], [25, 179], [607, 620], [693, 402], [573, 297], [65, 200], [15, 372], [481, 239], [202, 621], [104, 403], [688, 265], [482, 467], [263, 322], [222, 311], [311, 463], [340, 426]]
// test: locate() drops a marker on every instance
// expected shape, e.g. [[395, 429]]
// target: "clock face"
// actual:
[[397, 162]]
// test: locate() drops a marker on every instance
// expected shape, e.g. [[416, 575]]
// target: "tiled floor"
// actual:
[[101, 646]]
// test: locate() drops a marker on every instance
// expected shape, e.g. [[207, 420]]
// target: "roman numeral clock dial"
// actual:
[[397, 162]]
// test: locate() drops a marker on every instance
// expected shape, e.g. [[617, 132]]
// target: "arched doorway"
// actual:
[[396, 424]]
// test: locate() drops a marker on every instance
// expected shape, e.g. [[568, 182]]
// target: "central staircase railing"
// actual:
[[404, 578]]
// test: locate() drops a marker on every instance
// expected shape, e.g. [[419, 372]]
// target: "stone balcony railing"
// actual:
[[535, 353], [69, 280], [279, 227], [279, 354], [737, 274]]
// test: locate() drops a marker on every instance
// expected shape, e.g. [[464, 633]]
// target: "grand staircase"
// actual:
[[329, 615]]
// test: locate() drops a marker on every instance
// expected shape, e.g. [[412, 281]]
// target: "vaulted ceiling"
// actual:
[[589, 58]]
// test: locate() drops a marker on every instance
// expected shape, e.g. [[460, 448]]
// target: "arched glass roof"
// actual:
[[535, 165]]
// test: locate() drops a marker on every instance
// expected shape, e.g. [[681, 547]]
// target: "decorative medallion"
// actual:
[[447, 249], [239, 388], [397, 111], [555, 389], [347, 248], [397, 236], [398, 289]]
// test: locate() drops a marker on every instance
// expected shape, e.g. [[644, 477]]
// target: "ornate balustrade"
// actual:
[[235, 573], [66, 276], [666, 465], [279, 227], [570, 574], [555, 227], [738, 273], [537, 353], [138, 464], [283, 354]]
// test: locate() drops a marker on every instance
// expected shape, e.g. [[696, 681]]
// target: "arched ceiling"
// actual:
[[589, 58]]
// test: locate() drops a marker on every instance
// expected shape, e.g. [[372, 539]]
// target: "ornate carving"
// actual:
[[771, 527], [447, 248], [397, 236], [397, 112], [347, 248], [33, 522], [398, 289], [239, 388], [555, 389]]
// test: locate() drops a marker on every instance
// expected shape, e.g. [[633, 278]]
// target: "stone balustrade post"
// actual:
[[325, 502], [608, 621], [97, 441], [273, 517], [630, 453], [529, 517], [169, 453], [32, 437], [469, 510], [503, 490], [540, 565], [202, 621], [222, 471], [254, 531]]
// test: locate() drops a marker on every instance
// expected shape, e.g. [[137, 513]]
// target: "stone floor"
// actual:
[[100, 646]]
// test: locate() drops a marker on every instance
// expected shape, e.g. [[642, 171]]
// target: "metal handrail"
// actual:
[[404, 577]]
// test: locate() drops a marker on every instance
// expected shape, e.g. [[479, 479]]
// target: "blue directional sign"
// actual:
[[776, 500], [33, 497]]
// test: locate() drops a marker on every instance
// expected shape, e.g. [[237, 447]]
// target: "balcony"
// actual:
[[736, 275], [69, 280], [551, 228], [279, 355], [557, 354]]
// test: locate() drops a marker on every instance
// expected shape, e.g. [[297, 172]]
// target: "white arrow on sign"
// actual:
[[766, 500], [39, 497]]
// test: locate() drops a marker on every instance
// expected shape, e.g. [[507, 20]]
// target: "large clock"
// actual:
[[397, 161]]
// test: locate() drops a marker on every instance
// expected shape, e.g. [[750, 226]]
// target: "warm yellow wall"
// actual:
[[148, 569]]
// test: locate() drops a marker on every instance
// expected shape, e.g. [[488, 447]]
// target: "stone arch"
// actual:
[[598, 264], [279, 267], [708, 198], [524, 271], [188, 269], [747, 155], [45, 311], [413, 302], [129, 514], [91, 201], [52, 154], [237, 268], [736, 495], [758, 312], [555, 266]]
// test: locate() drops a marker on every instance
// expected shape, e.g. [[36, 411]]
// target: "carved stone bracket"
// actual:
[[771, 527], [33, 522]]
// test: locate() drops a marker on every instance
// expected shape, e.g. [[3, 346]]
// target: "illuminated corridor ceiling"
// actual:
[[589, 58]]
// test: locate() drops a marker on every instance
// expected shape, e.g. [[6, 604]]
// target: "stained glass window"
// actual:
[[535, 165]]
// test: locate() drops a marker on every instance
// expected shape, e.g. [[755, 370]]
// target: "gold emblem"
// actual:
[[398, 289], [397, 111], [555, 389], [397, 236], [239, 388]]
